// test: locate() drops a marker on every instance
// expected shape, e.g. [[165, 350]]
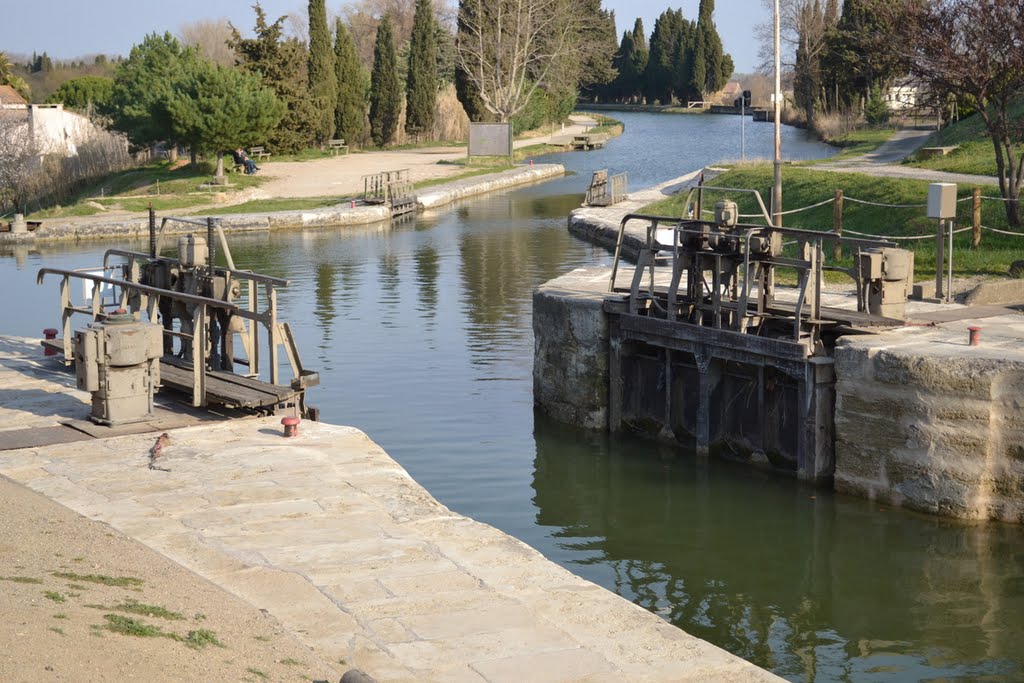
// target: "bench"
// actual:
[[259, 153], [931, 152], [337, 145]]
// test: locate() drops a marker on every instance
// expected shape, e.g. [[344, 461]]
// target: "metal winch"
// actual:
[[118, 361]]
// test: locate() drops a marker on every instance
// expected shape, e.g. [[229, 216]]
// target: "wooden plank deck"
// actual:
[[225, 388]]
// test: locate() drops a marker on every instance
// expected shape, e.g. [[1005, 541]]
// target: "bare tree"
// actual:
[[20, 161], [211, 36], [510, 48], [973, 49]]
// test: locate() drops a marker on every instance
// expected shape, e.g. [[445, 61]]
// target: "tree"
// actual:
[[211, 37], [350, 113], [281, 65], [215, 108], [20, 167], [466, 89], [508, 49], [598, 49], [323, 82], [421, 81], [143, 84], [7, 77], [974, 48], [84, 94], [385, 93], [717, 64], [632, 63], [666, 63]]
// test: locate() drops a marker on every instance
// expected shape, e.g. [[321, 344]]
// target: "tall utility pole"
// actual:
[[777, 187]]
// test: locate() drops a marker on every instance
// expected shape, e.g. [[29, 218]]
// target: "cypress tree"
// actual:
[[385, 93], [661, 63], [708, 54], [323, 83], [350, 112], [465, 90], [421, 81]]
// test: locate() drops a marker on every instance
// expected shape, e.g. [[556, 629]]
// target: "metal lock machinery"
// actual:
[[886, 276], [118, 361]]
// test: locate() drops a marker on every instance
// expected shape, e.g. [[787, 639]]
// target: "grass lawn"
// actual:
[[167, 186], [805, 186], [975, 155], [857, 143], [269, 205]]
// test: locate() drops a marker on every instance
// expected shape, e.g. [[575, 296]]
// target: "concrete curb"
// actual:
[[460, 189]]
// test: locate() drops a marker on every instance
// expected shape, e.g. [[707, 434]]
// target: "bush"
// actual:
[[877, 111]]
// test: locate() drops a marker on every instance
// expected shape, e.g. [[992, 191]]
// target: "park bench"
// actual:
[[259, 153], [930, 152], [337, 145]]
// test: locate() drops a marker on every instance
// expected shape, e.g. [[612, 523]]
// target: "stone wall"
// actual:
[[931, 425], [570, 363]]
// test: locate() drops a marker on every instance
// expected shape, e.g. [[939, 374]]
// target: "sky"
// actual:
[[68, 29]]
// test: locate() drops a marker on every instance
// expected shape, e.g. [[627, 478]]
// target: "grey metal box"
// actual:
[[942, 200]]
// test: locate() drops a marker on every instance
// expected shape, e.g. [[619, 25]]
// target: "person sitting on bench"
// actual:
[[243, 159]]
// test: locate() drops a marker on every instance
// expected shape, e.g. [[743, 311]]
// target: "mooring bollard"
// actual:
[[353, 203], [975, 335], [291, 426], [531, 162], [49, 333]]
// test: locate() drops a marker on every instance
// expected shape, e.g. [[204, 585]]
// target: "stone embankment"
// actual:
[[332, 538], [343, 214]]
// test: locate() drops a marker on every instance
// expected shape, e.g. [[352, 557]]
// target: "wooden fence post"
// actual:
[[976, 218], [837, 225]]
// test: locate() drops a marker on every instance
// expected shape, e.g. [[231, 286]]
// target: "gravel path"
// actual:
[[885, 161]]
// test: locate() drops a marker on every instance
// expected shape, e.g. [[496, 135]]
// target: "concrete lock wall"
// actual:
[[930, 432], [570, 366]]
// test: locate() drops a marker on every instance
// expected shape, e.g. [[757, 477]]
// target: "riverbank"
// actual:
[[331, 537], [350, 213]]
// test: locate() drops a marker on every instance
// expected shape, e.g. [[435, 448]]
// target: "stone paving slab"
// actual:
[[333, 538]]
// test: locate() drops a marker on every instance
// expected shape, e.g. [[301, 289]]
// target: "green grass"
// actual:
[[256, 672], [21, 579], [805, 186], [122, 581], [858, 142], [291, 662], [132, 190], [975, 154], [57, 629], [54, 595], [130, 626], [200, 638], [136, 607]]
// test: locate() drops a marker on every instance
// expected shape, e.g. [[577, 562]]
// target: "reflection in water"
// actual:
[[811, 586], [423, 337]]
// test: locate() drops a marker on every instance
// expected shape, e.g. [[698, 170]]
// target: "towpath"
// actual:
[[885, 161]]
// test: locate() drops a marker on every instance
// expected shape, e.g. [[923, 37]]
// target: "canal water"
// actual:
[[422, 334]]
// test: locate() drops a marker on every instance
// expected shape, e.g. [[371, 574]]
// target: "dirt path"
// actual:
[[885, 161], [72, 589], [342, 175]]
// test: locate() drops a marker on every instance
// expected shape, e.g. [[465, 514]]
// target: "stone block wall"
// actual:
[[931, 426], [570, 364]]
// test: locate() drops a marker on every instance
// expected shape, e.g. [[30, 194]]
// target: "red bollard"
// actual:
[[49, 333], [291, 426], [353, 203], [531, 162], [975, 335]]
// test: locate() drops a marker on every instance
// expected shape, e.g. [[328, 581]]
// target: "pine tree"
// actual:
[[323, 83], [597, 47], [214, 108], [350, 113], [385, 93], [421, 81]]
